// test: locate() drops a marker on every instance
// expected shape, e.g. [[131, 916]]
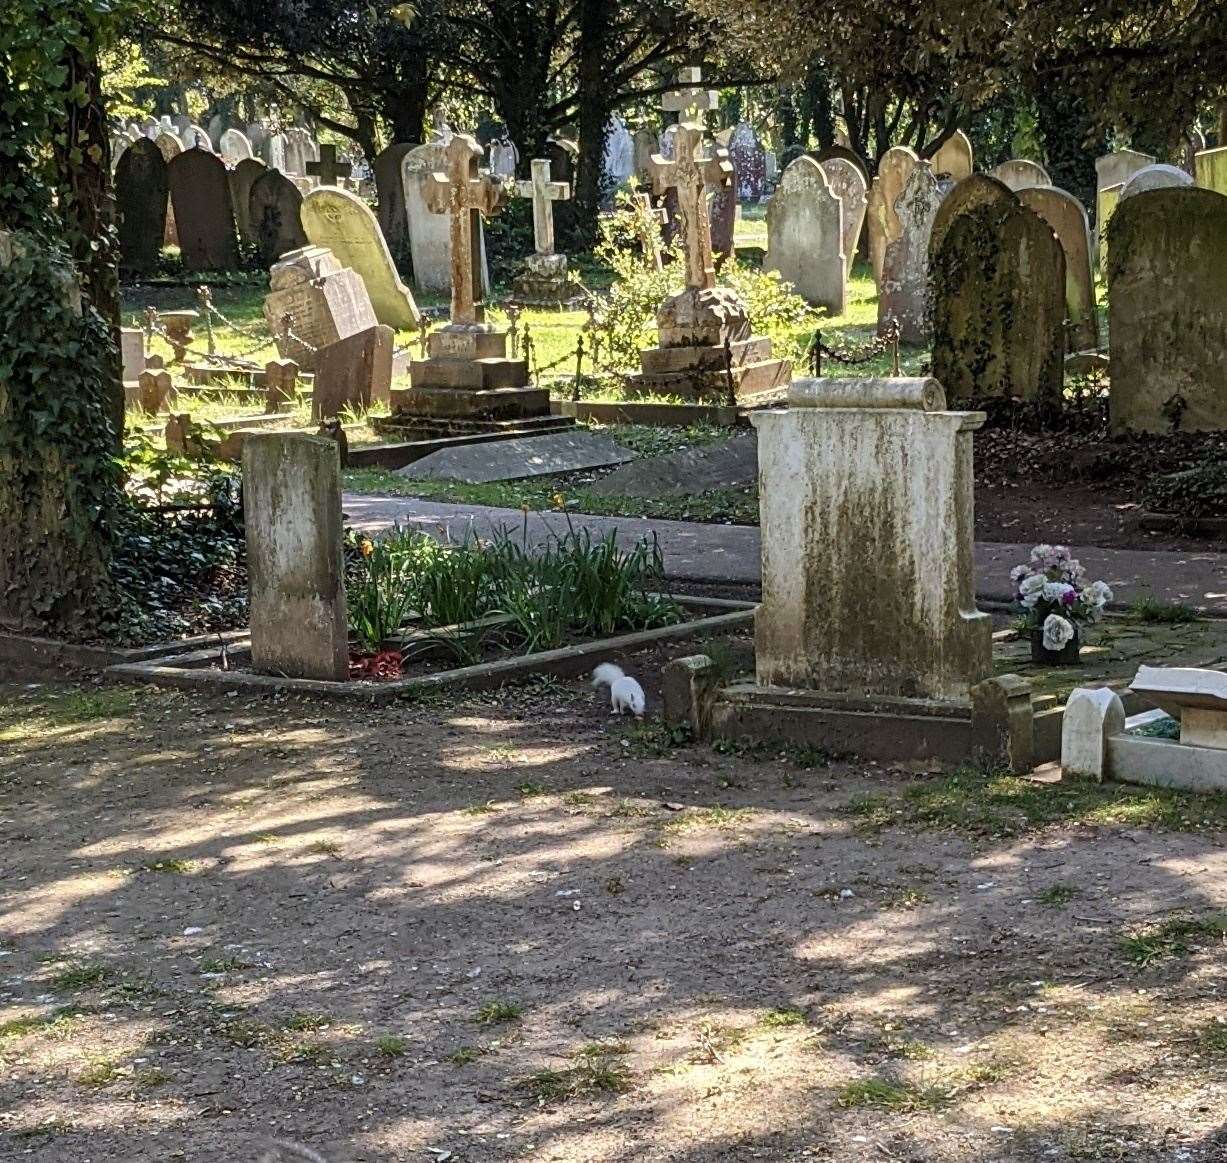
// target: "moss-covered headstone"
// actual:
[[997, 286]]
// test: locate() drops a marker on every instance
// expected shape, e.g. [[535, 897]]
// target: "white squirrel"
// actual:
[[624, 692]]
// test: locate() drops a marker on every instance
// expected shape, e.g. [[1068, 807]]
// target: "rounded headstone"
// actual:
[[1156, 177], [274, 208], [141, 184]]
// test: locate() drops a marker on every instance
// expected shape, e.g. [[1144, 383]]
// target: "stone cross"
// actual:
[[328, 169], [465, 194], [544, 193], [691, 173]]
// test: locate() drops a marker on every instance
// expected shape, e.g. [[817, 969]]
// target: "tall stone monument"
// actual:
[[706, 345]]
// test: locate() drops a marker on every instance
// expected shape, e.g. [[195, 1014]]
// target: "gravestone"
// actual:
[[323, 301], [131, 353], [1156, 177], [272, 151], [847, 183], [1115, 169], [353, 373], [242, 178], [905, 267], [732, 464], [954, 158], [619, 157], [646, 144], [234, 147], [141, 184], [1106, 202], [274, 209], [343, 223], [300, 148], [840, 472], [967, 195], [1020, 174], [746, 154], [1210, 168], [1065, 214], [894, 169], [1167, 302], [520, 458], [296, 570], [805, 236], [430, 239], [204, 211], [1195, 697], [182, 124], [563, 154], [390, 191], [504, 157], [256, 134], [844, 153], [997, 279], [197, 138], [169, 144], [722, 211]]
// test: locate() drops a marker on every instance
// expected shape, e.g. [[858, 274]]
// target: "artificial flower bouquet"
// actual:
[[1057, 600]]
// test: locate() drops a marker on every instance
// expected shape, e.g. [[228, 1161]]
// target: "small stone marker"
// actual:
[[280, 384], [1091, 717], [1167, 303], [327, 168], [1196, 697], [155, 391], [323, 301], [204, 212], [296, 588], [353, 373], [141, 184], [132, 352], [955, 158], [848, 185], [840, 472], [805, 236], [274, 209], [1020, 174], [1064, 213], [905, 266], [343, 223], [519, 458]]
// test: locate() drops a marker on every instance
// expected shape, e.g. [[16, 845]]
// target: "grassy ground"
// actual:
[[499, 927]]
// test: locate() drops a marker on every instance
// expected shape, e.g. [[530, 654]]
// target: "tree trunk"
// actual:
[[596, 105], [87, 206]]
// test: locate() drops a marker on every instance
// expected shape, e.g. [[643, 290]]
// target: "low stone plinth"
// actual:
[[545, 281], [485, 403], [995, 725], [699, 374], [469, 374]]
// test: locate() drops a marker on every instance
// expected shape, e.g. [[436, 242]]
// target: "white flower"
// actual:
[[1101, 591], [1031, 588], [1058, 633], [1041, 553], [1056, 591], [1019, 572]]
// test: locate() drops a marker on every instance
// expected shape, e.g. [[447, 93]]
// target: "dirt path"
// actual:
[[478, 929]]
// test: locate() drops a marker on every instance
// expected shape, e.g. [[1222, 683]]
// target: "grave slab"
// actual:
[[731, 465], [519, 459]]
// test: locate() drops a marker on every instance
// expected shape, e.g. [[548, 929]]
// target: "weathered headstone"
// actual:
[[722, 211], [242, 178], [430, 240], [390, 191], [1167, 297], [132, 352], [234, 147], [894, 169], [169, 144], [204, 212], [905, 267], [563, 154], [805, 236], [256, 133], [1020, 174], [954, 158], [353, 373], [1115, 169], [274, 209], [504, 157], [843, 153], [344, 224], [997, 278], [747, 155], [848, 185], [272, 151], [978, 190], [1210, 168], [141, 185], [1065, 214], [1106, 202], [841, 472], [300, 149], [646, 144], [619, 159], [296, 572], [155, 391], [1156, 177], [321, 300]]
